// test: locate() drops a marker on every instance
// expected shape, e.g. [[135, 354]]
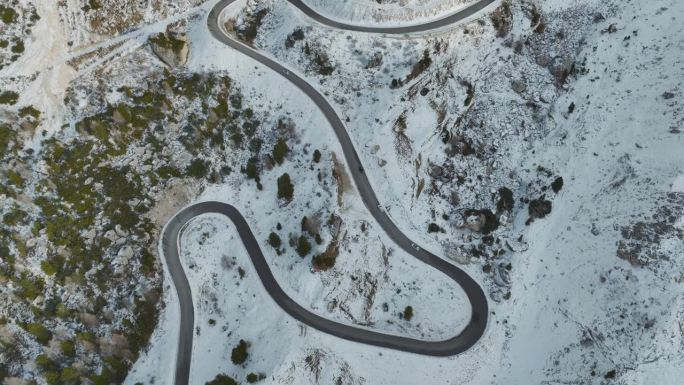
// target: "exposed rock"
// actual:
[[172, 49], [539, 208], [506, 201], [519, 86], [481, 221]]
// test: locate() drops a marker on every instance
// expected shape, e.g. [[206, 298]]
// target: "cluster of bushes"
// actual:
[[502, 19], [84, 194], [248, 31], [222, 379], [17, 23]]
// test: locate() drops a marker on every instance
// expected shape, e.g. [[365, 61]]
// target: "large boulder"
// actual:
[[171, 48]]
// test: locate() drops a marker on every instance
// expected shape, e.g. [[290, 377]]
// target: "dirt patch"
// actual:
[[341, 177], [178, 194]]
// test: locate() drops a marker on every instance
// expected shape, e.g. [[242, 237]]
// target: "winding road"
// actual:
[[170, 237]]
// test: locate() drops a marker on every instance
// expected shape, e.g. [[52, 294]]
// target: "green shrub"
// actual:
[[408, 313], [8, 15], [317, 156], [167, 41], [303, 246], [29, 287], [222, 379], [69, 376], [239, 354], [29, 111], [52, 378], [285, 187], [198, 168], [18, 47], [40, 332], [68, 348], [280, 150], [254, 377], [9, 97], [434, 228], [6, 135], [45, 364], [274, 240]]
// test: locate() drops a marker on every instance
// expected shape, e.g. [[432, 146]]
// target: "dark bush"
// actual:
[[557, 184], [434, 228], [198, 168], [506, 201], [274, 240], [539, 208], [285, 187], [280, 150], [222, 379], [303, 246], [239, 353], [9, 97], [408, 313]]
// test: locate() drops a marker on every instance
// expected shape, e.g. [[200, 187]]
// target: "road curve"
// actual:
[[170, 237], [423, 27]]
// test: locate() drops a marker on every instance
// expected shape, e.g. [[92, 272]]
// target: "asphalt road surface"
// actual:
[[478, 300]]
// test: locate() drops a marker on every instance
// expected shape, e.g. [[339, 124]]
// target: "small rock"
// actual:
[[519, 86], [539, 208]]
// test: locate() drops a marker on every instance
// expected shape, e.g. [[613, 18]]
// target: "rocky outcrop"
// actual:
[[171, 48]]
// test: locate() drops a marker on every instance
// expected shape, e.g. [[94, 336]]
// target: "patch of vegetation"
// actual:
[[557, 184], [502, 19], [303, 246], [222, 379], [326, 260], [408, 313], [29, 111], [505, 202], [538, 208], [168, 41], [248, 31], [285, 188], [274, 240], [9, 97], [239, 353], [18, 46], [7, 14], [254, 377], [280, 150], [434, 228], [40, 332], [198, 168], [296, 35], [252, 172]]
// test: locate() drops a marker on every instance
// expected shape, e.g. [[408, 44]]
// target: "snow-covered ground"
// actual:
[[590, 294], [578, 313]]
